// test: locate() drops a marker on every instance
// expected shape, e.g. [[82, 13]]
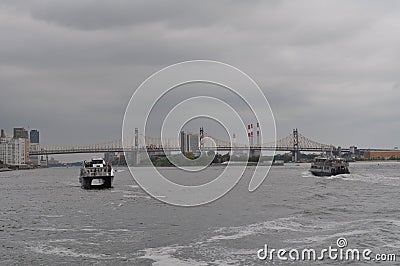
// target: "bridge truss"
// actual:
[[294, 142]]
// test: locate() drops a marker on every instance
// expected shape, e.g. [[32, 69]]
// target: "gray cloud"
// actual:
[[329, 68]]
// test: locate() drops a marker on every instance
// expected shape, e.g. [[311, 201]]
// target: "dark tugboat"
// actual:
[[96, 169], [328, 166]]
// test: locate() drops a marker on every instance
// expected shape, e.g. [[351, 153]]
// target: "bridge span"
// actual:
[[294, 143]]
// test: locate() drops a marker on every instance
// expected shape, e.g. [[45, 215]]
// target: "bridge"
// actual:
[[294, 143]]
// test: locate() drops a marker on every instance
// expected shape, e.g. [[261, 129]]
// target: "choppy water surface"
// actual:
[[46, 218]]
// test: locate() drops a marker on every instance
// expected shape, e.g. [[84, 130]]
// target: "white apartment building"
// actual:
[[13, 151]]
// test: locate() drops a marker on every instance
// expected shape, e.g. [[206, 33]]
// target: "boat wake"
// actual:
[[213, 248], [360, 177]]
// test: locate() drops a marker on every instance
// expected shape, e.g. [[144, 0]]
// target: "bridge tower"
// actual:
[[136, 137], [201, 139], [136, 157], [258, 135], [295, 152]]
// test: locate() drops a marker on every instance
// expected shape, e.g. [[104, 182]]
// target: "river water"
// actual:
[[47, 219]]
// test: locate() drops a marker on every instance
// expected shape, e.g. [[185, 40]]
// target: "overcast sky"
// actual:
[[329, 68]]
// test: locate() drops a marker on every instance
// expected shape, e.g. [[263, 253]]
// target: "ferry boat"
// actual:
[[328, 166], [97, 169]]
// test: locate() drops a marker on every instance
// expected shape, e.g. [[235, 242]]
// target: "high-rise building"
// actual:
[[34, 158], [34, 146], [20, 132], [189, 142], [192, 142], [34, 136], [183, 142]]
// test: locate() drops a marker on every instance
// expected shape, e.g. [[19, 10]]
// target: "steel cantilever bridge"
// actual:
[[294, 143]]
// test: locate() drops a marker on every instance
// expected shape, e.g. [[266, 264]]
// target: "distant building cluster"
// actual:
[[14, 150], [382, 155]]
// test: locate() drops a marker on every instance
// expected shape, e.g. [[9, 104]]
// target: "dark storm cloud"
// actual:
[[99, 15], [329, 68]]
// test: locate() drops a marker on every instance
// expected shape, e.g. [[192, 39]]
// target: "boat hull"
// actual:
[[87, 182], [324, 173]]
